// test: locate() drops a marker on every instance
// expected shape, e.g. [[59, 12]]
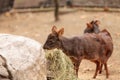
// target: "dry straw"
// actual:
[[59, 66]]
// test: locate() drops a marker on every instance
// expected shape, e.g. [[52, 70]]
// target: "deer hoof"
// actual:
[[94, 77]]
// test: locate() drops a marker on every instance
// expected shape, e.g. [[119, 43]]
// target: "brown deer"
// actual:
[[93, 27], [88, 46]]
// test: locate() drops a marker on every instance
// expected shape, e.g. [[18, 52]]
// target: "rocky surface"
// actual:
[[24, 57]]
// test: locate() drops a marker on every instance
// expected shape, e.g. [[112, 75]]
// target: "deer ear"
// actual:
[[60, 32], [89, 25], [92, 22], [54, 29], [97, 22]]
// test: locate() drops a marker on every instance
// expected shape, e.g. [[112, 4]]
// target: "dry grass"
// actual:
[[59, 66]]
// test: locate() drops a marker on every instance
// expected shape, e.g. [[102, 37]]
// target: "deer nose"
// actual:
[[45, 47]]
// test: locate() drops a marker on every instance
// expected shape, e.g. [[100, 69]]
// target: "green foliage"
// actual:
[[59, 66]]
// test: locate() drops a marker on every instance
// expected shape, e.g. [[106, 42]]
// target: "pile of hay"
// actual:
[[59, 66]]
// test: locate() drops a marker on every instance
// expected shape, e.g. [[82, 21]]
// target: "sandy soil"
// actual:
[[38, 26]]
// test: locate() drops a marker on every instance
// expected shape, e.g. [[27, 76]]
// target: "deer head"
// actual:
[[53, 40], [92, 27]]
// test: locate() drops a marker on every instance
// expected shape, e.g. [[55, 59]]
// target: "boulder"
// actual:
[[4, 73], [24, 57]]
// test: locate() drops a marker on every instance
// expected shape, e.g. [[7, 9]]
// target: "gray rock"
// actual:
[[25, 57], [3, 69]]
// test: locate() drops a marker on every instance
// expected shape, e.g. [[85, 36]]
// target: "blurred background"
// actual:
[[4, 4], [35, 18]]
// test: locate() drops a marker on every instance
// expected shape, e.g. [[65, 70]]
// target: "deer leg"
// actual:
[[100, 71], [97, 69], [106, 68], [75, 69], [76, 66], [76, 63]]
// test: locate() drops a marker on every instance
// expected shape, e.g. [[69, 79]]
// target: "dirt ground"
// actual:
[[38, 25]]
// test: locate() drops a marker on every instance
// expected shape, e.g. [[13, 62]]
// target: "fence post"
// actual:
[[56, 11]]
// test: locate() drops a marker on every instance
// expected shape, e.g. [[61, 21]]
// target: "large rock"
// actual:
[[4, 73], [24, 57]]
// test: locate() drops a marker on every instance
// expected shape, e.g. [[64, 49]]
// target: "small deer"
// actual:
[[88, 47], [93, 27]]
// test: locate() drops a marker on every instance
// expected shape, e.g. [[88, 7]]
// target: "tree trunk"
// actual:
[[56, 11]]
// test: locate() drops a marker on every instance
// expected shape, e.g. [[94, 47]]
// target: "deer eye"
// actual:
[[51, 42]]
